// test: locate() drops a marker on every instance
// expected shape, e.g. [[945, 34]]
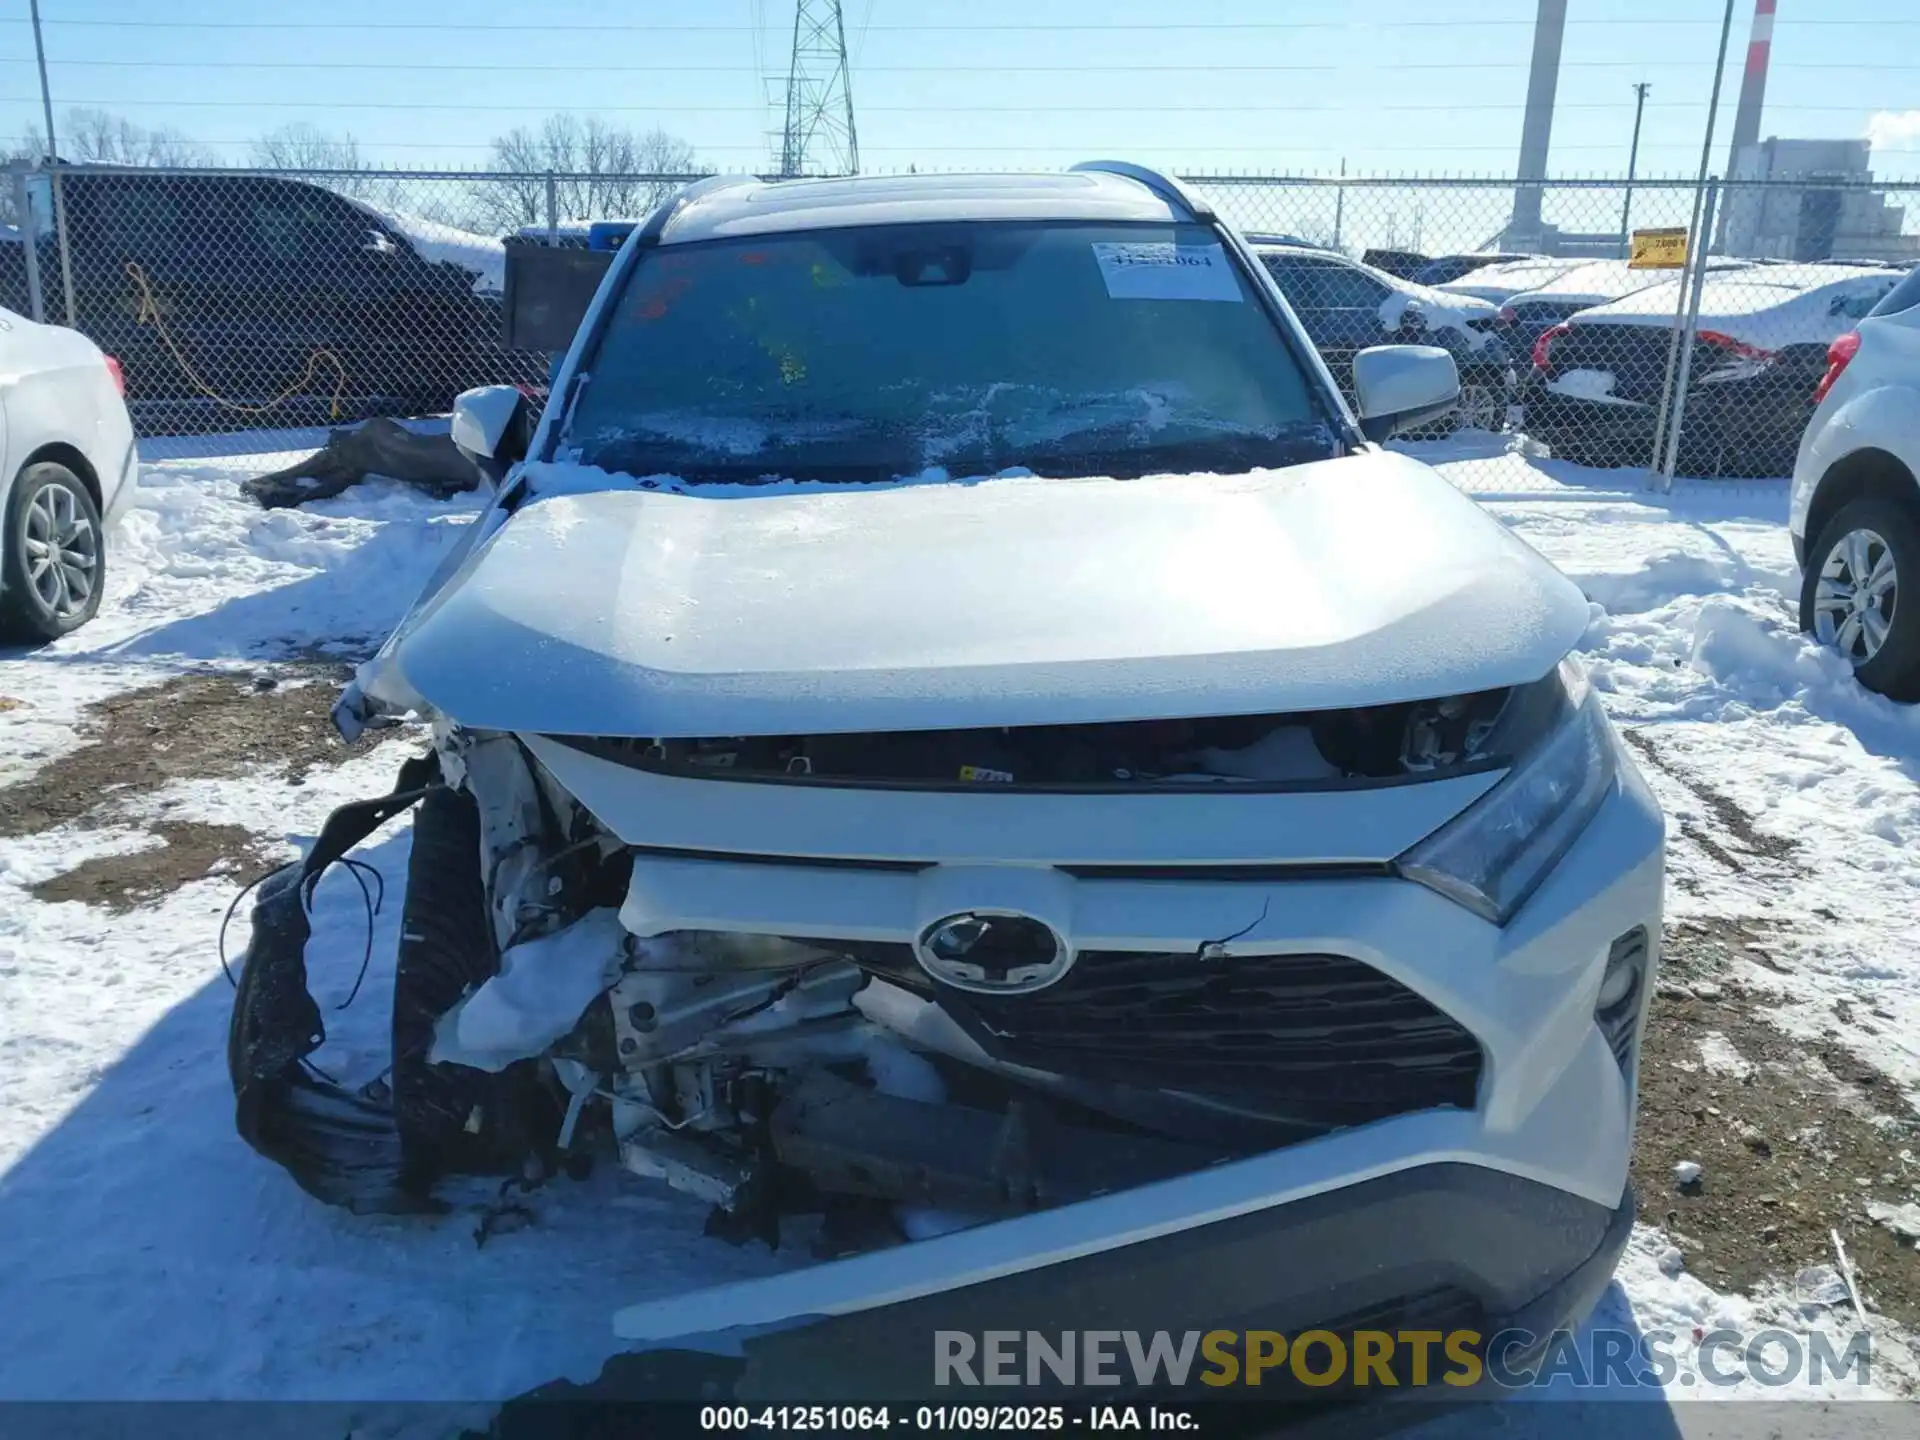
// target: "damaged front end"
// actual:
[[891, 1086]]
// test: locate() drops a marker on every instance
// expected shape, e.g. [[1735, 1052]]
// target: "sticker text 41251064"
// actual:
[[1162, 270]]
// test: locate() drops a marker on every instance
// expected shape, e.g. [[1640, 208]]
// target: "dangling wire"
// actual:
[[372, 899], [227, 920]]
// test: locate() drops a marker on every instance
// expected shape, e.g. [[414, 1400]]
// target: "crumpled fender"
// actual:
[[341, 1146]]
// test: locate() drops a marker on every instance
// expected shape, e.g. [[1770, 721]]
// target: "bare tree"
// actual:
[[306, 147], [98, 137], [600, 170]]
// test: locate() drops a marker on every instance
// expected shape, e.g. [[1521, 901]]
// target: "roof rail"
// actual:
[[1165, 186], [656, 223]]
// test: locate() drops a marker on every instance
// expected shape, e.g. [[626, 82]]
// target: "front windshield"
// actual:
[[868, 354]]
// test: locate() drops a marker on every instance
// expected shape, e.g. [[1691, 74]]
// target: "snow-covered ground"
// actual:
[[151, 1254]]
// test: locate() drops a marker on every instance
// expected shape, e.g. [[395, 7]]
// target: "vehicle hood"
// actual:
[[1753, 307], [1441, 309], [481, 256], [786, 609]]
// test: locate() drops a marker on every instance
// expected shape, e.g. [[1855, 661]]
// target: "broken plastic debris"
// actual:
[[1819, 1285], [1903, 1220], [1687, 1172], [543, 988]]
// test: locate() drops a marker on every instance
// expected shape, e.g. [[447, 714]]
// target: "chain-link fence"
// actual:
[[243, 299]]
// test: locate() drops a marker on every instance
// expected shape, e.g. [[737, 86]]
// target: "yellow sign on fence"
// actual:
[[1658, 249]]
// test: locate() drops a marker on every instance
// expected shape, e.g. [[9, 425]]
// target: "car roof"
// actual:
[[743, 206]]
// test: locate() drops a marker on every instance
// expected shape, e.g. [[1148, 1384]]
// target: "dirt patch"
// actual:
[[1794, 1138], [1736, 823], [187, 851], [194, 727]]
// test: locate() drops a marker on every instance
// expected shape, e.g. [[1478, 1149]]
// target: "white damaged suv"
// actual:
[[955, 747]]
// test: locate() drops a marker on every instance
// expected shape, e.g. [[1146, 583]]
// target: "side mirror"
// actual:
[[1402, 387], [488, 427]]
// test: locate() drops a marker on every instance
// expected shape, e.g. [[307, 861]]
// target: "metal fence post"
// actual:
[[1672, 457], [29, 239], [60, 230], [553, 209]]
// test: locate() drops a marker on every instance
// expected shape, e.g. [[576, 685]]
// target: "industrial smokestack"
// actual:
[[1536, 127], [1753, 85]]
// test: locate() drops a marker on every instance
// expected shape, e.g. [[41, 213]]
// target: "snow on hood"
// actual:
[[1021, 601], [1599, 281], [1499, 282], [435, 243], [1767, 307], [1442, 309]]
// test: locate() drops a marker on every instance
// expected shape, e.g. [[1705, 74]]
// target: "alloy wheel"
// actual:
[[62, 549], [1854, 601]]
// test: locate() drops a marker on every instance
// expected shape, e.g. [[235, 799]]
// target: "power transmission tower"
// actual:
[[819, 138]]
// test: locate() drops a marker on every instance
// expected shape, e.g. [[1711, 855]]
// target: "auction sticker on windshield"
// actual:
[[1161, 270]]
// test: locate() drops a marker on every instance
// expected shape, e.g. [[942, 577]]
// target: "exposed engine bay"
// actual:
[[771, 1076]]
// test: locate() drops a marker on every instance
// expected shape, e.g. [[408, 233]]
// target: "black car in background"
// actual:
[[241, 300], [1347, 306]]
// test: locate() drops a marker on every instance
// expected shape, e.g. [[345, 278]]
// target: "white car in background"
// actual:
[[67, 462], [1500, 282], [1759, 352], [1552, 302], [1855, 515]]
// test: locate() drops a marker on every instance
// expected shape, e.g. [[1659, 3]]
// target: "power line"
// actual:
[[1424, 107], [1076, 150], [1094, 68], [1022, 27]]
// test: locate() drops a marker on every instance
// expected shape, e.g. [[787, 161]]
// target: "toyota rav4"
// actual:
[[955, 746]]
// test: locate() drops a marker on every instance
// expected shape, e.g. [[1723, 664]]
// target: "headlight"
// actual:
[[1495, 854]]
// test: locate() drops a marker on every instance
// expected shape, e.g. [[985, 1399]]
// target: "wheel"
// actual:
[[53, 556], [1849, 596], [1483, 406], [451, 1119]]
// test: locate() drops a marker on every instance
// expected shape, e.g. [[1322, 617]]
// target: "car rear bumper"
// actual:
[[1613, 432]]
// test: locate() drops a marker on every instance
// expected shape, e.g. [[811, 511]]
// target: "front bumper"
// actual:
[[1533, 1176], [1442, 1248]]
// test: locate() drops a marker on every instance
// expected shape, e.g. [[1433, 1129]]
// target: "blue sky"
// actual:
[[1276, 86]]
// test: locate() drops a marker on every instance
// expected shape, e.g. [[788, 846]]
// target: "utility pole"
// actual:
[[1340, 204], [1680, 349], [1633, 161], [819, 127]]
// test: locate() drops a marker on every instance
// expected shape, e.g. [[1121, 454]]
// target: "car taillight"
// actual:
[[1838, 354], [1732, 346], [1544, 345], [119, 375]]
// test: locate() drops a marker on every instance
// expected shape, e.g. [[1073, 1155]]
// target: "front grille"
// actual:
[[1320, 1039]]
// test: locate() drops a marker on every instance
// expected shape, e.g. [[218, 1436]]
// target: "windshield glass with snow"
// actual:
[[873, 353]]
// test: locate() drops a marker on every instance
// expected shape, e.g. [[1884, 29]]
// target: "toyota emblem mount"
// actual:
[[993, 952]]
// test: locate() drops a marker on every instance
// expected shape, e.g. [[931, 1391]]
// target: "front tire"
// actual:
[[53, 555], [1850, 593]]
